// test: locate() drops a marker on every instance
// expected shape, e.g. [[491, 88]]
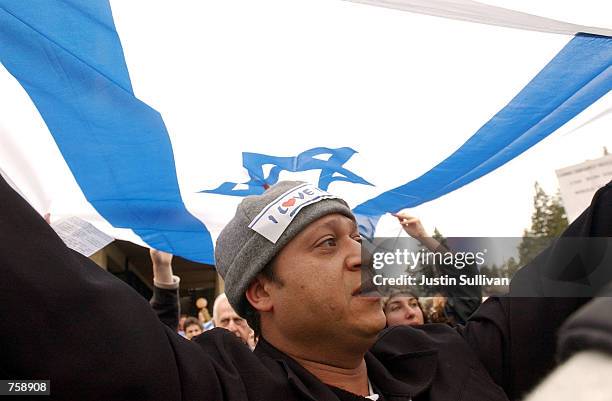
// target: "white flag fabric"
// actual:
[[152, 119]]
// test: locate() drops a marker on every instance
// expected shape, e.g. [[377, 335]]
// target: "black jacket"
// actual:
[[63, 318], [165, 303]]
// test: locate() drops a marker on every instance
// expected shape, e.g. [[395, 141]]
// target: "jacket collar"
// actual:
[[302, 380], [392, 388]]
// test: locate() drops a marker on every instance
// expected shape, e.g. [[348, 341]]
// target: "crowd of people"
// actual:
[[292, 324], [223, 316]]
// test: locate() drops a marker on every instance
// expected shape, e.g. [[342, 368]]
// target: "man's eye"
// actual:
[[358, 238], [328, 242]]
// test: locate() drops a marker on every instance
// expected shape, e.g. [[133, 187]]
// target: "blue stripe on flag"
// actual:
[[575, 78], [116, 146], [122, 157]]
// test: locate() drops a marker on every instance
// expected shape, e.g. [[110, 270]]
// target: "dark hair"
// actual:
[[191, 321], [409, 294], [251, 314]]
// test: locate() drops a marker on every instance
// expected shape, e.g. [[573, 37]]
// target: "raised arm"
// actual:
[[165, 300], [462, 300], [65, 319]]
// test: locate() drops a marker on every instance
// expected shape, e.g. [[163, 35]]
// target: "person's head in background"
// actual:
[[181, 325], [403, 308], [439, 301], [437, 312], [192, 327], [226, 317]]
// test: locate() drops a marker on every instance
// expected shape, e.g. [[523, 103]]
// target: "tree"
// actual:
[[547, 222], [429, 269], [510, 267], [437, 235]]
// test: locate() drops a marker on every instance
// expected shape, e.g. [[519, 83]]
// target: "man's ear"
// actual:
[[258, 294]]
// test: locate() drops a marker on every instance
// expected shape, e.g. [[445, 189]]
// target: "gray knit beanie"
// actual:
[[262, 226]]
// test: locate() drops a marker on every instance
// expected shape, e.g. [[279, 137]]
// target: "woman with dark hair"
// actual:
[[403, 308]]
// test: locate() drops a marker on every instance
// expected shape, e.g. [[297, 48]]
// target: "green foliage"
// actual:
[[547, 222], [511, 267], [439, 237]]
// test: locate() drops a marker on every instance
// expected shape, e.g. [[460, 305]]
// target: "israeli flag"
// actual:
[[153, 119]]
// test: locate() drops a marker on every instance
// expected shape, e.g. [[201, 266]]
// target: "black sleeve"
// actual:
[[515, 336], [460, 308], [462, 300], [165, 303], [64, 319]]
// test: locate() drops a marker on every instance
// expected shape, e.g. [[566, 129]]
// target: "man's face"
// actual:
[[320, 274], [226, 317], [403, 310]]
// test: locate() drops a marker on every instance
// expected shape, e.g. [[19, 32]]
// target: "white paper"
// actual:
[[80, 235], [274, 219]]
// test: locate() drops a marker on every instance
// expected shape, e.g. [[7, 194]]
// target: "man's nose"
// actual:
[[232, 327], [353, 258]]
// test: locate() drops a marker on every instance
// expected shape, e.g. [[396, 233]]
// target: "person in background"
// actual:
[[437, 312], [459, 302], [165, 300], [403, 308], [192, 328], [181, 326], [225, 316]]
